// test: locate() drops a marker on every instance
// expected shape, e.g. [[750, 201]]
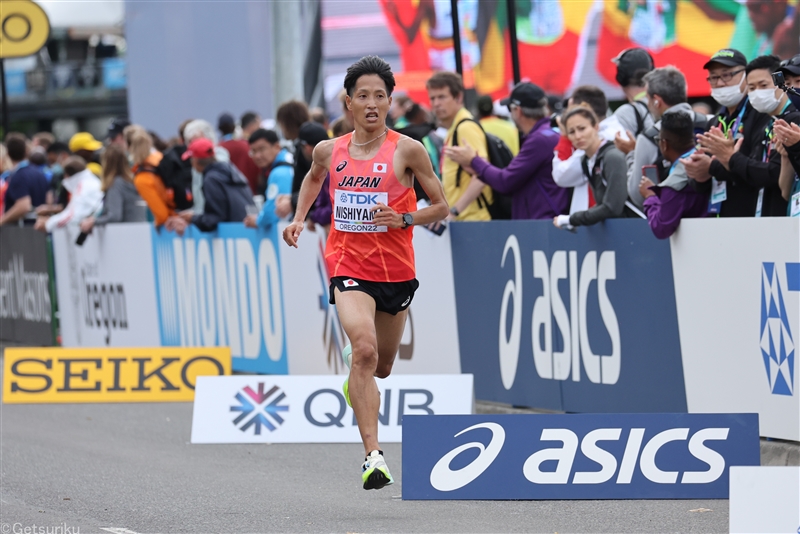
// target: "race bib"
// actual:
[[351, 211]]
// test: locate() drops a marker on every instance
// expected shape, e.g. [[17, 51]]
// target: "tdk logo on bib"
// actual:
[[619, 456], [352, 211], [777, 343]]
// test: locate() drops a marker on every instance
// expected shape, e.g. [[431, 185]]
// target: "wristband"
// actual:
[[455, 211]]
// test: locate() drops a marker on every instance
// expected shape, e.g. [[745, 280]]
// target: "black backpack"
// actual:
[[639, 116], [499, 156]]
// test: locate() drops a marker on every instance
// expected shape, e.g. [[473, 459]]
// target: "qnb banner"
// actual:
[[105, 287], [613, 456], [223, 289], [581, 322], [315, 338], [312, 409], [739, 318], [26, 305], [55, 375]]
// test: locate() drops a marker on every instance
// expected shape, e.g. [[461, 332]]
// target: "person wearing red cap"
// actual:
[[225, 188]]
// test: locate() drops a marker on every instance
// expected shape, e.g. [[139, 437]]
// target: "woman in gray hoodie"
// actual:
[[122, 202]]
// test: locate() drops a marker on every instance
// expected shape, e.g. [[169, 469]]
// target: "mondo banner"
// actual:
[[54, 375], [589, 456], [223, 289]]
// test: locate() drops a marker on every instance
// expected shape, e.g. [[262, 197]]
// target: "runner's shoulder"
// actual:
[[409, 148], [323, 152]]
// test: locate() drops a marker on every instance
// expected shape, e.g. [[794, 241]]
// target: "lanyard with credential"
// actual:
[[727, 127]]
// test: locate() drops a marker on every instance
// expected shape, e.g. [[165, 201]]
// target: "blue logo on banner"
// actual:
[[777, 344], [614, 456], [581, 322], [223, 289]]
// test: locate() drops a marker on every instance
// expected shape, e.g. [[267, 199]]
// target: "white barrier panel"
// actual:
[[312, 409], [764, 499], [737, 289], [315, 338], [106, 288]]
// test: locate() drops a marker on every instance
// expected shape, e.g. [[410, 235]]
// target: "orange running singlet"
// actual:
[[356, 247]]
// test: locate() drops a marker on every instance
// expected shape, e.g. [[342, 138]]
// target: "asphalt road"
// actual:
[[129, 468]]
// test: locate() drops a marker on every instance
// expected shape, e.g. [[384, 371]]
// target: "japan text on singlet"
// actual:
[[356, 247]]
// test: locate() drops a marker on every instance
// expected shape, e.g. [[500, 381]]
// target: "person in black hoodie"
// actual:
[[225, 188], [757, 170]]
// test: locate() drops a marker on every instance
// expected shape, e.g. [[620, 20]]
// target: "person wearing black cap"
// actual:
[[737, 120], [115, 129], [632, 65], [239, 151], [529, 176]]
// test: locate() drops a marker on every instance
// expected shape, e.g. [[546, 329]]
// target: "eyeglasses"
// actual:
[[657, 139], [726, 77]]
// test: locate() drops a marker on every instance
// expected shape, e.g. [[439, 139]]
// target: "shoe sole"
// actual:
[[377, 480], [346, 391]]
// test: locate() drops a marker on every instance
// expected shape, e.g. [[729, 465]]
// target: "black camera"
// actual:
[[779, 80]]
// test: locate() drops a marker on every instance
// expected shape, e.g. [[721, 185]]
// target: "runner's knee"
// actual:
[[364, 354]]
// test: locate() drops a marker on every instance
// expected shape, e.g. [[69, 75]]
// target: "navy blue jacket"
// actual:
[[227, 195]]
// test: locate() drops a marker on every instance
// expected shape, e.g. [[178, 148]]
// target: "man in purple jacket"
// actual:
[[670, 201], [529, 176]]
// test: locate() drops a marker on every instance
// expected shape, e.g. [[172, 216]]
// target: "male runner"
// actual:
[[369, 252]]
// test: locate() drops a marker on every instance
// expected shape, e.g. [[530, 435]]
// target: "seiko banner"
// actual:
[[312, 409], [223, 289], [315, 338], [106, 286], [582, 322], [55, 375], [591, 456], [737, 285], [26, 303]]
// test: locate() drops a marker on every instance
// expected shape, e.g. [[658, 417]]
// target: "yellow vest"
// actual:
[[468, 133]]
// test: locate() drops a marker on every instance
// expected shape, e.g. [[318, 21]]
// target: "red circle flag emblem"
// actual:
[[350, 283]]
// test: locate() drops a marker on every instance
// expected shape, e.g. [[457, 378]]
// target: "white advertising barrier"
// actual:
[[737, 290], [312, 409], [764, 499], [106, 288], [315, 338]]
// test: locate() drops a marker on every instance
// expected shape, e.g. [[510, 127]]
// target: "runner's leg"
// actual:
[[389, 329], [357, 315]]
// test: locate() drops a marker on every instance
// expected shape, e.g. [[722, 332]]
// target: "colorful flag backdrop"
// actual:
[[568, 42]]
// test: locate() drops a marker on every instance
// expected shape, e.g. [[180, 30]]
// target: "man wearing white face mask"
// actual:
[[732, 196], [754, 173]]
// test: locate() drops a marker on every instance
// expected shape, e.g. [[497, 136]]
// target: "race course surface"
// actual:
[[129, 468]]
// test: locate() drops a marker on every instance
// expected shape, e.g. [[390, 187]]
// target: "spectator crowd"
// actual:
[[528, 156]]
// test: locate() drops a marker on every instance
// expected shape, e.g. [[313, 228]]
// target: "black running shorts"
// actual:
[[390, 297]]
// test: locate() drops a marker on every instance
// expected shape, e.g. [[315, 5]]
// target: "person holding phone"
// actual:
[[671, 200], [603, 165]]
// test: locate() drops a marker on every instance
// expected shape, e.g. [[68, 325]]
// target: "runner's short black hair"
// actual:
[[365, 66]]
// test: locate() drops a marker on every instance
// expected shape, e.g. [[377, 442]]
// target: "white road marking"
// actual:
[[118, 530]]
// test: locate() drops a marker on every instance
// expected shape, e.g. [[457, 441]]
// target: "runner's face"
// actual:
[[370, 104]]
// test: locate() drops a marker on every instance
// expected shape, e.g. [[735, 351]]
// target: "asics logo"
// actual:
[[341, 166], [405, 303], [445, 479]]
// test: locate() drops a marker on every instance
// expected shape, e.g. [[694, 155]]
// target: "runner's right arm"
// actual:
[[312, 183]]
